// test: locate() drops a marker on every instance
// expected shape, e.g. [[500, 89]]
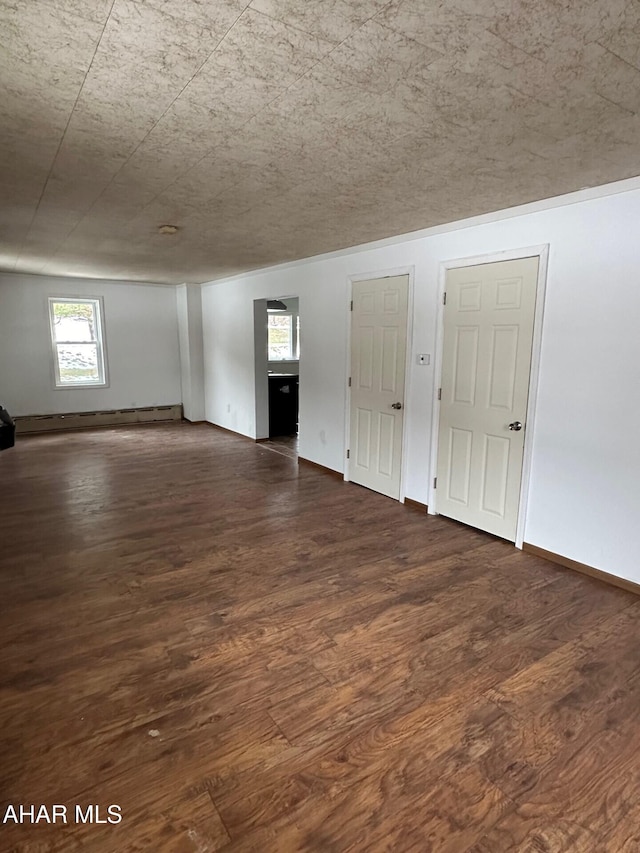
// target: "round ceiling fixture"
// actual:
[[168, 229]]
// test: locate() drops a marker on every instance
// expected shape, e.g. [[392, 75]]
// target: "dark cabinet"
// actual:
[[283, 404], [7, 429]]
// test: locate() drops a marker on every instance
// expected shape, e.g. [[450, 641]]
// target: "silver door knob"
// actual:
[[516, 426], [396, 405]]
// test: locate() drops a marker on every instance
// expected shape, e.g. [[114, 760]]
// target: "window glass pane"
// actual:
[[77, 342], [78, 363], [74, 321], [280, 333]]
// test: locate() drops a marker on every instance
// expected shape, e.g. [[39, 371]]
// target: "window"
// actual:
[[281, 343], [76, 336]]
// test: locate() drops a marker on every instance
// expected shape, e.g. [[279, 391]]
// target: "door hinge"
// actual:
[[435, 482], [439, 393], [351, 305], [349, 382], [348, 454], [444, 298]]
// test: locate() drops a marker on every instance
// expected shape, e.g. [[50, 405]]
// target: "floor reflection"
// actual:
[[285, 445]]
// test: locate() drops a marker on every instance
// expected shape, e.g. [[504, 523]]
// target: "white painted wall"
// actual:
[[261, 382], [585, 490], [189, 308], [283, 366], [141, 346]]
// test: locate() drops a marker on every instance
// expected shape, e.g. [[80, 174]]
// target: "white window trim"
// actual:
[[98, 304], [294, 336]]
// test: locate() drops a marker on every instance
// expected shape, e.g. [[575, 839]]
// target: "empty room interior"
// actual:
[[319, 351]]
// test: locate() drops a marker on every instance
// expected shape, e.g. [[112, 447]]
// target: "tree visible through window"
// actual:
[[76, 335], [280, 337]]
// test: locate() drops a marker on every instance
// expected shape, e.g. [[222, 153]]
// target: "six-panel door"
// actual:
[[378, 344], [488, 333]]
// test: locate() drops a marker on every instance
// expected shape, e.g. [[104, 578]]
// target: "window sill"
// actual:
[[80, 386]]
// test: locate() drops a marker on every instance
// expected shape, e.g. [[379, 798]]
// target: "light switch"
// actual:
[[423, 358]]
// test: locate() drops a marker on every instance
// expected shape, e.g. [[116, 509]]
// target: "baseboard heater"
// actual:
[[86, 420]]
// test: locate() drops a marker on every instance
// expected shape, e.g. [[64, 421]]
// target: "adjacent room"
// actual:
[[319, 367]]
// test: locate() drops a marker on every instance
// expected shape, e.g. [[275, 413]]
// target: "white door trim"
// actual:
[[542, 252], [410, 272]]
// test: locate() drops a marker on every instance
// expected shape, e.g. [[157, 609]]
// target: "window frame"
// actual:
[[294, 348], [98, 311]]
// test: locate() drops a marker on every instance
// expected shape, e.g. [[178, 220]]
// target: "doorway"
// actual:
[[277, 371], [488, 334], [379, 313]]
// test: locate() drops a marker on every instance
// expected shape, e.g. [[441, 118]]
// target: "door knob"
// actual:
[[516, 426], [396, 405]]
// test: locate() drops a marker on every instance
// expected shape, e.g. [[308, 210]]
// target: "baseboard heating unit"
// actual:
[[86, 420]]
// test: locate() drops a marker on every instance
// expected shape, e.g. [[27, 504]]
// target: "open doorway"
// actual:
[[277, 366]]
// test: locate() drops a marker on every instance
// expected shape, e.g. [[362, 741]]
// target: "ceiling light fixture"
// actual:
[[168, 229], [275, 305]]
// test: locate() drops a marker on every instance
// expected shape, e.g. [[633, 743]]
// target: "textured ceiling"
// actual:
[[280, 129]]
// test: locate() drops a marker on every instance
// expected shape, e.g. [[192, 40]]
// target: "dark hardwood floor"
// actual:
[[287, 445], [244, 654]]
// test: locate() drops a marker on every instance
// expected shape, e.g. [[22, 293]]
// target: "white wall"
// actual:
[[189, 308], [283, 366], [261, 382], [585, 495], [141, 346]]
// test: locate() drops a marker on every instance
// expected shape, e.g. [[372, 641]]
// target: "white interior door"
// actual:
[[488, 335], [378, 353]]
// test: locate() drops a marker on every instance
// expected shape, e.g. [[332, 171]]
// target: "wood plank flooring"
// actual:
[[245, 654]]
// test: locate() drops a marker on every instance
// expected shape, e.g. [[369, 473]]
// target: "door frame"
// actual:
[[542, 253], [261, 364], [387, 273]]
